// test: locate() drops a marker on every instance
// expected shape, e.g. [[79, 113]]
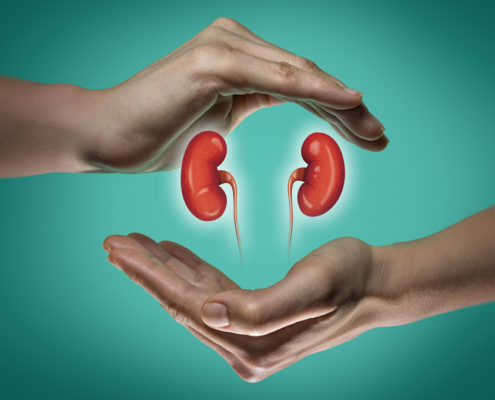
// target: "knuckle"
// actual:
[[225, 22], [207, 56], [207, 52], [258, 360], [187, 290], [176, 314], [248, 375], [136, 278], [251, 378], [253, 318], [321, 84], [213, 31], [245, 372], [284, 70], [198, 279], [318, 85], [308, 64]]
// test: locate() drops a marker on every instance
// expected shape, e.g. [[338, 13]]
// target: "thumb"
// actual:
[[297, 297]]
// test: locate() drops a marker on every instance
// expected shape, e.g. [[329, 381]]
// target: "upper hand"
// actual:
[[213, 82], [329, 297]]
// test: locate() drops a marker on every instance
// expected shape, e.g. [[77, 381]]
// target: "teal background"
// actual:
[[74, 327]]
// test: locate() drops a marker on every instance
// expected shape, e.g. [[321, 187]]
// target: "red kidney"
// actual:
[[201, 179], [323, 177]]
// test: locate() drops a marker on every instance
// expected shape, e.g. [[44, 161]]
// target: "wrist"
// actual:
[[395, 285], [417, 280], [66, 117], [44, 127], [109, 141], [93, 123]]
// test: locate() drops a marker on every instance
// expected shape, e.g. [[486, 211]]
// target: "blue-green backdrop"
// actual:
[[74, 327]]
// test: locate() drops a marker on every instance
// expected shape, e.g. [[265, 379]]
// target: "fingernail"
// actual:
[[105, 248], [352, 91], [113, 262], [215, 315], [380, 125]]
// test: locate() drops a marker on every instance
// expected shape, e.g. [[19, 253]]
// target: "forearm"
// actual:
[[44, 128], [451, 269]]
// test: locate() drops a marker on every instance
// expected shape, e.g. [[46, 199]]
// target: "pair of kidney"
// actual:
[[200, 178]]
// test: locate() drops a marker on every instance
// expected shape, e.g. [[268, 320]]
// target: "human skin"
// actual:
[[337, 292], [143, 124]]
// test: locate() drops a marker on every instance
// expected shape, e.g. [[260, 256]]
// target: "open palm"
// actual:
[[326, 298]]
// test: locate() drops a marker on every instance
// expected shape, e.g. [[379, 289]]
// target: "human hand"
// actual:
[[329, 297], [213, 82]]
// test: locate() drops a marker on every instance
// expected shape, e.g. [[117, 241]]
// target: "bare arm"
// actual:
[[42, 127], [451, 269]]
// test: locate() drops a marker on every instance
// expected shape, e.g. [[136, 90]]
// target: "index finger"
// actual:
[[193, 261], [285, 55], [175, 293], [240, 73]]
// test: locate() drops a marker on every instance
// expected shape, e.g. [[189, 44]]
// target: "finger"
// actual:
[[227, 355], [190, 259], [359, 121], [120, 241], [340, 132], [181, 302], [237, 365], [269, 353], [257, 369], [236, 27], [333, 121], [243, 74], [146, 245], [318, 111], [172, 291], [254, 45], [343, 131], [178, 266], [301, 295], [370, 145], [249, 103], [269, 50]]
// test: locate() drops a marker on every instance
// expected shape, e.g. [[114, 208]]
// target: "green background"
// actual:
[[74, 327]]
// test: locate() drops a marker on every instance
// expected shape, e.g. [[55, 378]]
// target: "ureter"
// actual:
[[226, 177], [297, 175]]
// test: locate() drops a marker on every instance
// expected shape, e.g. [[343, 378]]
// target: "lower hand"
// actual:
[[327, 298]]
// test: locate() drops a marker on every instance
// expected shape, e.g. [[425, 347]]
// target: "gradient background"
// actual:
[[74, 327]]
